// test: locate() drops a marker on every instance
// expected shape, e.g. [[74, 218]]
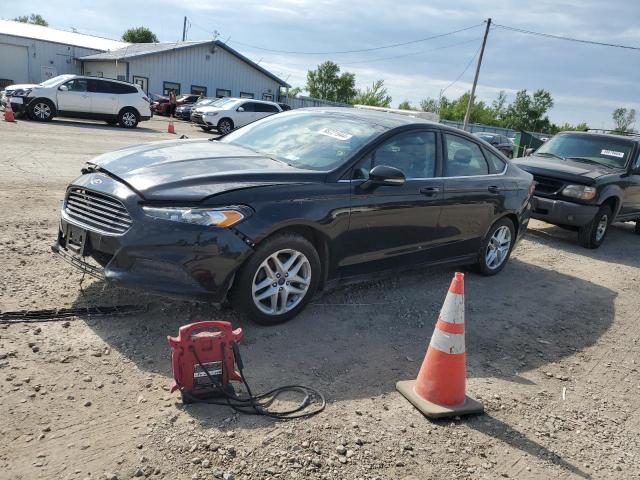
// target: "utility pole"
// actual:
[[184, 30], [467, 115]]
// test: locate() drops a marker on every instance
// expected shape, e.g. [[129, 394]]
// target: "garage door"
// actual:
[[15, 63]]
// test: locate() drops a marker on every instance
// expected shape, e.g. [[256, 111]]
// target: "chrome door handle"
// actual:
[[429, 191]]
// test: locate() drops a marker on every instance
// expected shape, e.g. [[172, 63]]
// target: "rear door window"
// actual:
[[496, 164], [266, 107], [464, 158]]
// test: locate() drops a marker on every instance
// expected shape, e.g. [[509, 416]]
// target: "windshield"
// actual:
[[308, 140], [222, 101], [486, 137], [206, 101], [610, 152], [52, 81]]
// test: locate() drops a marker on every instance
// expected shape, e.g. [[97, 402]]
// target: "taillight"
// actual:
[[146, 99]]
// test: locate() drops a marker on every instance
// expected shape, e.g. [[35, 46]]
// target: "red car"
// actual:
[[160, 106]]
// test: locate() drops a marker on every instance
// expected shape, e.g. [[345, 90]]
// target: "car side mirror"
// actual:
[[495, 142], [240, 109], [384, 175], [64, 88]]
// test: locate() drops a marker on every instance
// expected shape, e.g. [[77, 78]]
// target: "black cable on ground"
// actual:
[[258, 404]]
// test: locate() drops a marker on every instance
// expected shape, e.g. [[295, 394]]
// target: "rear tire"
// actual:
[[496, 248], [593, 233], [128, 118], [278, 280]]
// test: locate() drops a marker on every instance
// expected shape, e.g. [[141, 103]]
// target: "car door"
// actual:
[[473, 192], [104, 100], [74, 97], [393, 225], [244, 113], [631, 202]]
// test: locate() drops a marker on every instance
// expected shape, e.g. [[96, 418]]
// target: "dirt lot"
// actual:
[[552, 351]]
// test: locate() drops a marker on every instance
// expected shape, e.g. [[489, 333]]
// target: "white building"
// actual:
[[208, 67], [32, 54]]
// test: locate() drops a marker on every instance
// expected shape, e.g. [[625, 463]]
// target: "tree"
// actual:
[[34, 18], [528, 112], [405, 105], [376, 96], [430, 105], [326, 83], [623, 119], [139, 35]]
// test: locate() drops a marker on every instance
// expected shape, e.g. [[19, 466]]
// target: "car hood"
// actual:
[[208, 108], [192, 170], [570, 170], [20, 86]]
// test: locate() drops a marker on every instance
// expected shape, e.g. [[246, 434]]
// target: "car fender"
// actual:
[[612, 191]]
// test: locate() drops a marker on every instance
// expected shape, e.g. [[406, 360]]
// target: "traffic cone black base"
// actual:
[[432, 410]]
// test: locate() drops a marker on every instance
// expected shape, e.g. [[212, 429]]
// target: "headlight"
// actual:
[[199, 216], [211, 114], [579, 191]]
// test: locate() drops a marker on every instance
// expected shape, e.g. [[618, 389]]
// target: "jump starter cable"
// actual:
[[259, 404]]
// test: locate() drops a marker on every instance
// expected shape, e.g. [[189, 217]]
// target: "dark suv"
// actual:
[[585, 181]]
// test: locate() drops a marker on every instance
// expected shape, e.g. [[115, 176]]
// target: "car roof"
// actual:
[[91, 77], [384, 119], [251, 100], [611, 136]]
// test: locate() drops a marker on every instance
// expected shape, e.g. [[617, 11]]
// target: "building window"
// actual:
[[221, 93], [122, 78], [267, 96], [142, 81], [199, 90], [246, 95], [168, 86]]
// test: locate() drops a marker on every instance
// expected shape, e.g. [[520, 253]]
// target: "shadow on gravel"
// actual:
[[493, 427], [99, 126], [621, 245], [356, 342]]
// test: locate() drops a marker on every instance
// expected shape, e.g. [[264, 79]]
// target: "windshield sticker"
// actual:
[[337, 134], [612, 153]]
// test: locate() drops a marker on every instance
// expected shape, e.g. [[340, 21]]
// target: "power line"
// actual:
[[292, 52], [560, 37], [462, 73], [413, 53]]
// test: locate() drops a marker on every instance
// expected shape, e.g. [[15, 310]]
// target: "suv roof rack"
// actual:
[[613, 132]]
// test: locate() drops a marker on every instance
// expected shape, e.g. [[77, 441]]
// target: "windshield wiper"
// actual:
[[551, 155], [588, 160]]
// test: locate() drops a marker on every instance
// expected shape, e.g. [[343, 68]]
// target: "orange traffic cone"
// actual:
[[170, 128], [439, 390], [8, 113]]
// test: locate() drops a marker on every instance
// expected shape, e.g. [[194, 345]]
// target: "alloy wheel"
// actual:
[[42, 111], [498, 247], [281, 282], [129, 119], [225, 127], [601, 229]]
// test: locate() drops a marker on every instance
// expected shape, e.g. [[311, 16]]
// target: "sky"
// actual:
[[587, 82]]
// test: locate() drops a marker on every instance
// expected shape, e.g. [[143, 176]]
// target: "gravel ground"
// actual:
[[552, 351]]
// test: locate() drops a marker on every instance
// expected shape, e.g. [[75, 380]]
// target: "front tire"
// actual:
[[225, 126], [128, 118], [496, 247], [41, 110], [278, 280], [593, 233]]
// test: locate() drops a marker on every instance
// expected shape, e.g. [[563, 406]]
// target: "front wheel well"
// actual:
[[54, 108], [614, 203], [317, 239], [124, 109]]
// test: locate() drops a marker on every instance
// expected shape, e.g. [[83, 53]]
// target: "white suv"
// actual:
[[82, 97], [229, 113]]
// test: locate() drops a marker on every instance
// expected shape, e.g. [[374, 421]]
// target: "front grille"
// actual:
[[96, 211], [546, 185]]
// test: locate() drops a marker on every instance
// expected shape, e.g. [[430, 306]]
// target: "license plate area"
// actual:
[[75, 239]]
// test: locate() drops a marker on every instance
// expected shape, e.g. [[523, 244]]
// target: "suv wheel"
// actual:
[[278, 280], [496, 247], [593, 233], [225, 126], [41, 110], [128, 118]]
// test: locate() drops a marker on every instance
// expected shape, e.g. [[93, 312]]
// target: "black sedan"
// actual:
[[293, 203], [502, 143]]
